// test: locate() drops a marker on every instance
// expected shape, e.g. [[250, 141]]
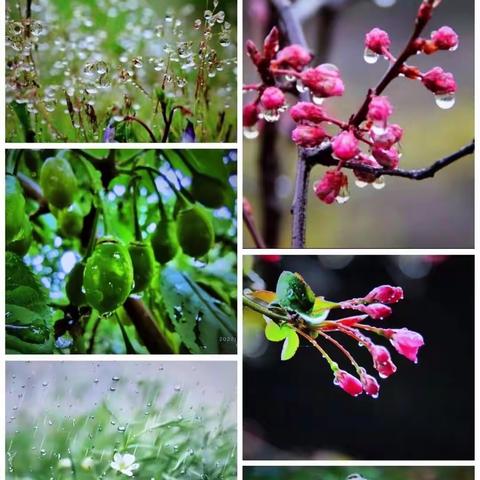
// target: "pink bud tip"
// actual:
[[377, 311], [445, 38], [382, 361], [439, 82], [272, 98], [388, 158], [323, 81], [377, 41], [407, 343], [293, 56], [392, 135], [379, 109], [385, 294], [370, 385], [328, 188], [307, 112], [348, 382], [250, 115], [345, 145], [308, 136]]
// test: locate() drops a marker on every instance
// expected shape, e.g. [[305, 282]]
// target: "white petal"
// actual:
[[114, 466], [128, 459], [134, 466], [117, 457], [127, 472]]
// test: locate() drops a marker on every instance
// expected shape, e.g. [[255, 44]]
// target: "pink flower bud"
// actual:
[[306, 111], [377, 41], [366, 177], [323, 81], [382, 361], [369, 384], [439, 82], [445, 38], [253, 52], [308, 136], [385, 294], [272, 98], [345, 145], [348, 382], [378, 311], [351, 321], [388, 158], [250, 115], [293, 56], [379, 109], [392, 134], [271, 44], [407, 343], [328, 188]]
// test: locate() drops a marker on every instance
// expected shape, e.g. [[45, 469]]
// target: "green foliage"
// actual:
[[293, 293], [15, 208], [114, 71], [130, 196]]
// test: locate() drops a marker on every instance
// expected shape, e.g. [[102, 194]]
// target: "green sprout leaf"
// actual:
[[275, 332], [290, 345], [293, 293]]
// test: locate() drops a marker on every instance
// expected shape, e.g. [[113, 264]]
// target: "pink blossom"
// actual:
[[323, 81], [272, 98], [439, 82], [345, 145], [444, 38], [306, 111], [271, 44], [378, 311], [293, 56], [382, 361], [388, 158], [366, 160], [379, 109], [348, 382], [407, 343], [377, 41], [250, 115], [392, 134], [308, 136], [369, 384], [328, 188], [385, 294]]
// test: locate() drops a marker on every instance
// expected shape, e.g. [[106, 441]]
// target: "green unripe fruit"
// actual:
[[195, 231], [58, 182], [143, 263], [208, 191], [22, 244], [294, 293], [70, 223], [108, 276], [164, 241], [74, 285], [14, 208]]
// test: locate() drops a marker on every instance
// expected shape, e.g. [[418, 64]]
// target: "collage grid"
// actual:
[[223, 388]]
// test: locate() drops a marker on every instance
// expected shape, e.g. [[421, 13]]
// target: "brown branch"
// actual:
[[324, 157], [146, 327], [130, 118], [250, 223]]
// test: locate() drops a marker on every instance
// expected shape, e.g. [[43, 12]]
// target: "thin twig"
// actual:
[[130, 118], [250, 224]]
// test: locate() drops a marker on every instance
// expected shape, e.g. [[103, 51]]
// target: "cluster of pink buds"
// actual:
[[368, 139], [376, 306]]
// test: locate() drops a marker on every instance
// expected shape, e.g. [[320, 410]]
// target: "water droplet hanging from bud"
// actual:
[[370, 56], [445, 100]]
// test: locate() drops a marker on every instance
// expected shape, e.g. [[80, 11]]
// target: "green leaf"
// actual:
[[275, 332], [322, 304], [294, 293], [265, 296], [27, 315], [290, 345], [200, 319]]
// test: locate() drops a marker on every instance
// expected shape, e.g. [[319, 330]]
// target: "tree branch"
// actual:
[[250, 224]]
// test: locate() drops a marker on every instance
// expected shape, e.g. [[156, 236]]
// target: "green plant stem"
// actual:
[[333, 365], [341, 348], [264, 310], [138, 230], [93, 234], [161, 206]]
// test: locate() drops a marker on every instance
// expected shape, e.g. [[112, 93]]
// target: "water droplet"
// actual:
[[370, 56], [379, 128], [178, 388], [101, 67], [44, 384], [445, 100], [197, 24], [271, 115], [342, 197], [385, 3], [224, 39], [360, 183], [115, 379], [317, 100], [379, 183]]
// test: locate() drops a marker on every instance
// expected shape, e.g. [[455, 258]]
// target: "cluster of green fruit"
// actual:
[[112, 271]]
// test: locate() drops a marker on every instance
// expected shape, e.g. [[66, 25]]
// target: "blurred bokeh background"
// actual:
[[370, 473], [433, 213], [292, 410]]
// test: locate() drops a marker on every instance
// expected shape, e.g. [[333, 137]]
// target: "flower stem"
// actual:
[[264, 310]]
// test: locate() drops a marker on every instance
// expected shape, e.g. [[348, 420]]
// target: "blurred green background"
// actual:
[[433, 213], [370, 473]]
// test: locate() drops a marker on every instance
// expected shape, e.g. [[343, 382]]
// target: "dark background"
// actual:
[[424, 412]]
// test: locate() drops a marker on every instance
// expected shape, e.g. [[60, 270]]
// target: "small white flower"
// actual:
[[65, 463], [87, 463], [124, 463]]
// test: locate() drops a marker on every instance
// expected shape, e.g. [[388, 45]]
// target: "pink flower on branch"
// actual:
[[307, 112], [308, 136], [328, 189], [439, 82], [445, 38], [382, 361], [323, 81], [377, 41], [293, 56], [345, 146], [348, 383], [272, 98], [406, 342], [385, 294]]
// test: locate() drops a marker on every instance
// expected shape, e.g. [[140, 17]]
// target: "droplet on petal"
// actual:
[[317, 100], [445, 100], [370, 56], [250, 132], [360, 183], [379, 183]]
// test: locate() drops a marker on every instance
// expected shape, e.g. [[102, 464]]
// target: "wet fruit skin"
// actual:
[[74, 285], [143, 262], [195, 231], [22, 243], [70, 223], [108, 276], [164, 241], [208, 191], [58, 182], [15, 208]]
